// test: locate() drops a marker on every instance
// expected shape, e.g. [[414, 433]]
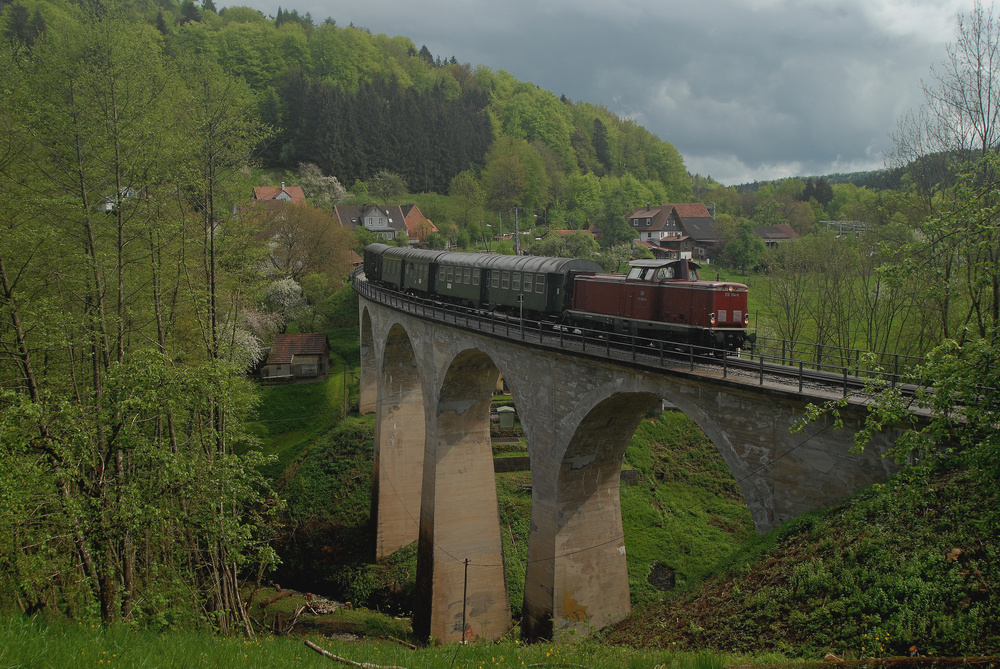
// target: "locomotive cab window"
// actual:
[[668, 272], [637, 273]]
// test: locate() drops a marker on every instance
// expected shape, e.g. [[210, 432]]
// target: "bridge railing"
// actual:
[[889, 367], [795, 362]]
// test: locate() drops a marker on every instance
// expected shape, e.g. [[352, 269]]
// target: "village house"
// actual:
[[282, 194], [297, 357], [775, 234], [387, 221], [675, 230]]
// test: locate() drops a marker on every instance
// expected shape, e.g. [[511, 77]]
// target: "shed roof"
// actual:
[[286, 346]]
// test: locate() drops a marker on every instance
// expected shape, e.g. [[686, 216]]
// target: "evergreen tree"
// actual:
[[601, 146], [190, 12], [161, 22]]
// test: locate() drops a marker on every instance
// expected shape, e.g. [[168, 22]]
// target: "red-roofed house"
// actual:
[[297, 357], [283, 193]]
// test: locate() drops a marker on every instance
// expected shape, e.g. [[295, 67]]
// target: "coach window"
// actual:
[[517, 281], [539, 283], [496, 280], [451, 274], [505, 284], [527, 282], [468, 273], [475, 278]]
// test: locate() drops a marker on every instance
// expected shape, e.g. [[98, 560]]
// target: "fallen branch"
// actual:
[[295, 619], [272, 600], [400, 641], [363, 665]]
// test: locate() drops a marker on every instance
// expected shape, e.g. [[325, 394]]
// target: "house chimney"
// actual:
[[648, 206], [282, 185]]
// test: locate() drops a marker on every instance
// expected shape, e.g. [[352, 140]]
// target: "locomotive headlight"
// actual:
[[711, 318], [746, 319]]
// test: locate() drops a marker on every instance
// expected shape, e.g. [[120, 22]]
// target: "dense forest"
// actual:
[[137, 286]]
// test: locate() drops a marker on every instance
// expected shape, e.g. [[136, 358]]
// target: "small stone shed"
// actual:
[[297, 357]]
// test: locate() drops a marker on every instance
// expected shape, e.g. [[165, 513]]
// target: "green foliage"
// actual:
[[686, 512], [904, 563]]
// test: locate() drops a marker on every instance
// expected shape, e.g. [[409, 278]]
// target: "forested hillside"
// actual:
[[355, 102]]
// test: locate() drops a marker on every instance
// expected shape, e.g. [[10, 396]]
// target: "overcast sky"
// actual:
[[745, 89]]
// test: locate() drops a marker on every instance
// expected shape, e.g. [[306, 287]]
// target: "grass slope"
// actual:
[[909, 564]]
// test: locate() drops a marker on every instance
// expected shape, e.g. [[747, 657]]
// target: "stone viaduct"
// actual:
[[430, 385]]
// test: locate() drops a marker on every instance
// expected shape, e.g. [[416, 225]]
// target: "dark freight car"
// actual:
[[540, 285], [459, 278], [412, 270]]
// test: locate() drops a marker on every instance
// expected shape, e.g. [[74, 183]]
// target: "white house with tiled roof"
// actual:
[[675, 230], [387, 221]]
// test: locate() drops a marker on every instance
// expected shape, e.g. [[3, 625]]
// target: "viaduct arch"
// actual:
[[430, 384]]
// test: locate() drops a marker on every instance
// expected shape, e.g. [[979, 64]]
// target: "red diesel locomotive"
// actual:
[[664, 299]]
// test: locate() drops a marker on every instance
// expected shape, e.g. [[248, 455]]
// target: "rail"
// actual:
[[772, 360]]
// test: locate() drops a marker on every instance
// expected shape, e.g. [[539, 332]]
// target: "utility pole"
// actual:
[[517, 237]]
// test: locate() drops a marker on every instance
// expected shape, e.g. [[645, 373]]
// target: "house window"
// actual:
[[635, 222]]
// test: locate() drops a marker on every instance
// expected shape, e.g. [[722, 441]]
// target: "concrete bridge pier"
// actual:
[[461, 582], [368, 381], [577, 576], [399, 447]]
